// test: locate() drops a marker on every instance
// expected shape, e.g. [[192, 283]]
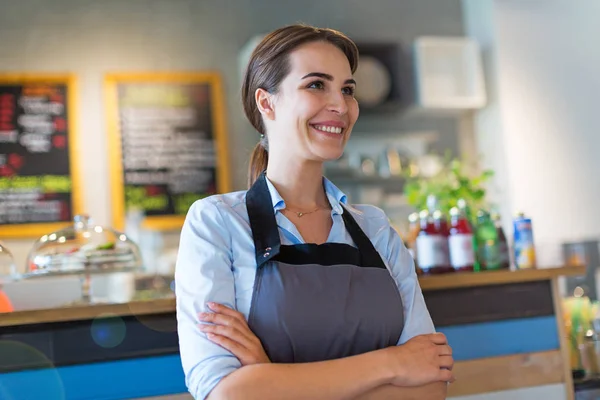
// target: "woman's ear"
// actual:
[[264, 102]]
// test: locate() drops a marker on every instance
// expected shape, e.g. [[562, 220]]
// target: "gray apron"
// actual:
[[318, 302]]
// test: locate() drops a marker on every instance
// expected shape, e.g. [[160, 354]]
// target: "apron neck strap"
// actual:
[[262, 221], [369, 257], [266, 234]]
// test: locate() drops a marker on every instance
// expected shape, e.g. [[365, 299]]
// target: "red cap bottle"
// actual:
[[462, 253], [432, 241]]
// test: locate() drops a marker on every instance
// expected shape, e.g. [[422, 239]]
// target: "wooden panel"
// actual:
[[490, 303], [487, 278], [507, 372], [546, 392], [87, 312]]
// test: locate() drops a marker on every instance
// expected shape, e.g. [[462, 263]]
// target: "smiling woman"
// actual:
[[285, 290]]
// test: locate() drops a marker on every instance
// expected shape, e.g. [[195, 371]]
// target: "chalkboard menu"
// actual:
[[168, 146], [38, 189]]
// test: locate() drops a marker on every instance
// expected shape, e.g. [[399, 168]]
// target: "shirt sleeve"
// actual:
[[203, 273], [417, 320]]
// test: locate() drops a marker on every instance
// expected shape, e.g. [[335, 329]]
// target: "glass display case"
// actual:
[[83, 249], [7, 265], [7, 273]]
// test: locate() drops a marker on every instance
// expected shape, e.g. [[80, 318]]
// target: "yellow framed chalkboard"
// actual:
[[167, 144], [40, 185]]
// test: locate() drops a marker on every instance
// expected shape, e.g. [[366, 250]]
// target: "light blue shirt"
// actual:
[[216, 262]]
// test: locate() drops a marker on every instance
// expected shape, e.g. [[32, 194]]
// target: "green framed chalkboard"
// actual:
[[40, 188], [167, 144]]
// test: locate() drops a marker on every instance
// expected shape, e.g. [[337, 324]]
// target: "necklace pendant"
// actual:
[[300, 214]]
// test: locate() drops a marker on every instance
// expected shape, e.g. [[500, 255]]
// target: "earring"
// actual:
[[262, 136]]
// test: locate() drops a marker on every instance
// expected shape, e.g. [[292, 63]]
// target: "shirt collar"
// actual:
[[335, 196]]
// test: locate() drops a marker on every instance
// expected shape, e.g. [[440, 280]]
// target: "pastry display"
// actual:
[[83, 248]]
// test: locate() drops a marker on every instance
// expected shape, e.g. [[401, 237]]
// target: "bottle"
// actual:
[[460, 241], [432, 241], [502, 242], [488, 249], [411, 237], [524, 245]]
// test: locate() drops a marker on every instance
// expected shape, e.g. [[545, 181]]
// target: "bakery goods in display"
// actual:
[[83, 248]]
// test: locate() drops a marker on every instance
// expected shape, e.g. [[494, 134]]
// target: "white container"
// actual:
[[449, 73]]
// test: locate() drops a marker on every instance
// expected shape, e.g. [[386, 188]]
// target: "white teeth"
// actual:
[[330, 129]]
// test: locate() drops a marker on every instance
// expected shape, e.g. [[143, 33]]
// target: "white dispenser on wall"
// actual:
[[448, 73]]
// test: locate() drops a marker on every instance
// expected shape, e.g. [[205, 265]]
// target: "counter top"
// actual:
[[83, 312], [488, 278], [167, 305]]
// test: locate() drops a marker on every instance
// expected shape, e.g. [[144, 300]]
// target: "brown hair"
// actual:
[[269, 65]]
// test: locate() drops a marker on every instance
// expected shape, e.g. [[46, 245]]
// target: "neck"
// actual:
[[299, 184]]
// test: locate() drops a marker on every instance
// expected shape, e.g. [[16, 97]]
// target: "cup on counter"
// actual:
[[118, 287]]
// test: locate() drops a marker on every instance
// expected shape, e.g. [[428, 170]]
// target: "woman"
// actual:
[[285, 291]]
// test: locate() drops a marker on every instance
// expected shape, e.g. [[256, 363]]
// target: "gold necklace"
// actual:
[[300, 214]]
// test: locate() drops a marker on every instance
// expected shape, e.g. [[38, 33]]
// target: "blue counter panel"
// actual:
[[501, 338], [125, 379], [162, 375]]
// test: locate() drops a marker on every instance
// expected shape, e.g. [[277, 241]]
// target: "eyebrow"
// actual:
[[327, 77]]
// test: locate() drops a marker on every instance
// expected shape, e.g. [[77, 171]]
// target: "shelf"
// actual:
[[488, 278]]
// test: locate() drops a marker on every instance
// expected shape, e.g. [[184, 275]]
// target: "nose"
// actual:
[[337, 103]]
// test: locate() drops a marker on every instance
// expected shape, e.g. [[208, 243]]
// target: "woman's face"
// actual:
[[315, 108]]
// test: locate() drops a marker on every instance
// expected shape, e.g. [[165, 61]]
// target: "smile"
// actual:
[[328, 129]]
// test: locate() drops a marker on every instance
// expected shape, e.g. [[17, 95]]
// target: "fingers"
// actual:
[[226, 326], [446, 362], [226, 316], [222, 309], [438, 338], [444, 350], [227, 322], [446, 376]]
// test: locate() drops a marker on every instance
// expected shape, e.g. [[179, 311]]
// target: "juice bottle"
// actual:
[[488, 249], [524, 244], [460, 241], [432, 241]]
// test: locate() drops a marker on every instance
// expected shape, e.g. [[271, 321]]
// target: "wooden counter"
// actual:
[[488, 278], [84, 312], [505, 328], [428, 283]]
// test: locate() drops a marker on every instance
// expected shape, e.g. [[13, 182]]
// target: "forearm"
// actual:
[[433, 391], [345, 378]]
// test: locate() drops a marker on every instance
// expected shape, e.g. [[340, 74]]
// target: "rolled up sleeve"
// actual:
[[417, 320], [203, 273]]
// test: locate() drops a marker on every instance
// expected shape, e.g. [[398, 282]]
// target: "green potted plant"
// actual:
[[450, 184]]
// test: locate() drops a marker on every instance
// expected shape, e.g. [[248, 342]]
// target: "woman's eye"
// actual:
[[316, 85], [349, 90]]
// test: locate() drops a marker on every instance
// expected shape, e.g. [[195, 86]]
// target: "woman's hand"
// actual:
[[230, 331], [422, 360]]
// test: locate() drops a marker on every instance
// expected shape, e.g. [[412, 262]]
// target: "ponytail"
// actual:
[[258, 161]]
